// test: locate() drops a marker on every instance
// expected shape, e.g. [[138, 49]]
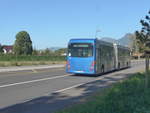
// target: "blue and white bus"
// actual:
[[93, 56]]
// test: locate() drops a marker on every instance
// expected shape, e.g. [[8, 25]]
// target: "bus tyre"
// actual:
[[118, 66], [102, 69]]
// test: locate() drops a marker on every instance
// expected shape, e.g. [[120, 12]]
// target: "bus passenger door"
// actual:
[[98, 60]]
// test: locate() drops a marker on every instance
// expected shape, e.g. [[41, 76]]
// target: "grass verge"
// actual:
[[128, 96], [23, 60], [31, 58], [28, 63]]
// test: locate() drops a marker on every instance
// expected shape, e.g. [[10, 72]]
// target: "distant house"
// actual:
[[7, 49]]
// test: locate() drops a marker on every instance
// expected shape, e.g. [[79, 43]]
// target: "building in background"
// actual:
[[7, 49]]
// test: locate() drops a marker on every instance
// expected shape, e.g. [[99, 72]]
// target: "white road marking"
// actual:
[[62, 90], [77, 85], [37, 80]]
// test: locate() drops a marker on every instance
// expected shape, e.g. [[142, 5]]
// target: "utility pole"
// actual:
[[147, 55]]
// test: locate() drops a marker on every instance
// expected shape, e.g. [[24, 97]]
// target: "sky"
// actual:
[[52, 23]]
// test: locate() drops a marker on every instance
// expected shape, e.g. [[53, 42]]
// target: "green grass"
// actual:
[[31, 58], [128, 96], [12, 60]]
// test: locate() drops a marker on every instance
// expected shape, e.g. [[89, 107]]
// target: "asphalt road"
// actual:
[[49, 90]]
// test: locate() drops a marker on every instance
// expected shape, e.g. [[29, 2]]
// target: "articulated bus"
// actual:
[[93, 56]]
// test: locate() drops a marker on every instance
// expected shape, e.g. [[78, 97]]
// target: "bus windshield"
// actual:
[[80, 50]]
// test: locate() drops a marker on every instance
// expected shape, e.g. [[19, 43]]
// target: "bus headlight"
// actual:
[[68, 65]]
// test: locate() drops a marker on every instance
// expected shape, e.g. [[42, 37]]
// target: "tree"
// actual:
[[47, 51], [23, 44], [143, 40], [35, 52], [1, 49], [132, 44]]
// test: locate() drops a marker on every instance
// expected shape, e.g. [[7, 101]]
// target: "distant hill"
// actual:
[[126, 40], [108, 39], [54, 48]]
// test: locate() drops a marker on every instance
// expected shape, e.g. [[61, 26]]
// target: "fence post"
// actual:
[[147, 79]]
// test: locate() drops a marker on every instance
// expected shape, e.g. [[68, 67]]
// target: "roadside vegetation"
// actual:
[[143, 41], [128, 96], [12, 60]]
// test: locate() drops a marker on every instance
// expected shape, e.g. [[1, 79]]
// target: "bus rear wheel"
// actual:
[[118, 66], [127, 64], [102, 69]]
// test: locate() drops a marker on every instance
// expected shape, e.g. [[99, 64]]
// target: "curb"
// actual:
[[10, 69]]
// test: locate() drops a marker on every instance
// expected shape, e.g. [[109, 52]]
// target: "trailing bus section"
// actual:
[[93, 56]]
